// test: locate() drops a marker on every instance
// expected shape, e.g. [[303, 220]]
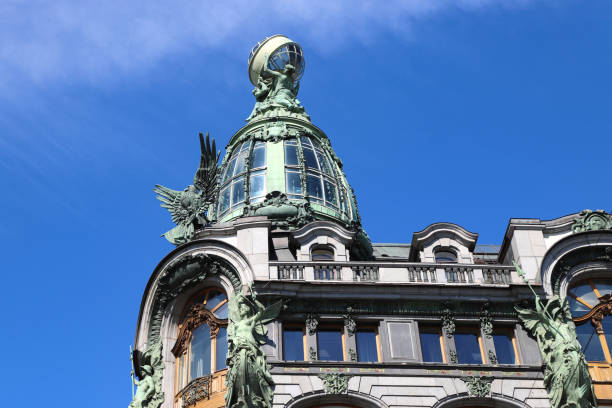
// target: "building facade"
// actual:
[[342, 321]]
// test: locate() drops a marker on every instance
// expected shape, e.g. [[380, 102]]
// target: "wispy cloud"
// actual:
[[88, 40]]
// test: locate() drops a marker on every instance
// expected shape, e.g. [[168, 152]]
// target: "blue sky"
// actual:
[[469, 111]]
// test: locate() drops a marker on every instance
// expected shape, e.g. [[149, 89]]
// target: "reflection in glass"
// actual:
[[221, 352], [200, 352], [293, 345], [468, 349], [430, 347], [330, 345], [504, 349], [589, 340], [366, 346], [313, 186]]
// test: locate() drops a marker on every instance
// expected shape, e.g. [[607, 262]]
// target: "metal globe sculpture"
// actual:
[[277, 51]]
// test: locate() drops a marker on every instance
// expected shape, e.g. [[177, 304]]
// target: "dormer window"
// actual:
[[445, 255], [322, 253]]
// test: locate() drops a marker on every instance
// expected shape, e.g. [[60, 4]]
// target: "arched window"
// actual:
[[201, 346], [590, 303], [445, 255], [322, 253]]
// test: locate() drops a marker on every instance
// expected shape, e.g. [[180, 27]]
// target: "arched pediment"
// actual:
[[318, 399], [493, 401]]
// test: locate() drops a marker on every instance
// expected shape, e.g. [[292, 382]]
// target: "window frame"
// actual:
[[467, 329], [432, 329], [295, 326], [182, 348]]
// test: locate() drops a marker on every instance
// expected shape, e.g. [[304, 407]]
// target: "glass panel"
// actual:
[[322, 254], [577, 308], [585, 292], [238, 191], [445, 256], [504, 349], [604, 287], [200, 352], [259, 157], [468, 349], [214, 298], [221, 355], [305, 141], [222, 312], [257, 183], [245, 146], [589, 340], [240, 164], [313, 185], [291, 156], [430, 347], [310, 159], [325, 167], [229, 170], [293, 345], [330, 345], [330, 193], [224, 199], [366, 345], [294, 183]]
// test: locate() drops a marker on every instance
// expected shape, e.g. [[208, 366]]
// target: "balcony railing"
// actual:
[[396, 272]]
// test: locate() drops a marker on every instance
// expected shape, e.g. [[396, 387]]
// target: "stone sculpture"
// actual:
[[149, 393], [249, 382], [189, 207], [566, 376]]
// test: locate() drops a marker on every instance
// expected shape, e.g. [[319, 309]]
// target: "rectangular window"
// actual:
[[505, 349], [467, 343], [221, 351], [367, 349], [313, 185], [238, 191], [329, 343], [431, 344], [259, 155], [310, 158], [291, 153], [257, 185], [294, 184], [293, 344]]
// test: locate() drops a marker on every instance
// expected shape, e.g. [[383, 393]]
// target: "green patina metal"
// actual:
[[249, 382], [566, 376], [589, 220], [181, 275], [478, 386], [149, 393], [335, 383], [486, 321], [189, 208]]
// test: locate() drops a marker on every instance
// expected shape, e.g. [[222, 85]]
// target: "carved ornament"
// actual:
[[478, 386], [197, 315], [589, 220], [335, 383], [196, 390]]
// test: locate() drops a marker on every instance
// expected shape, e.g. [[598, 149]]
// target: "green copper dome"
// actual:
[[280, 165]]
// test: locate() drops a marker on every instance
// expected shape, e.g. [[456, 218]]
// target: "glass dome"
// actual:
[[300, 168], [277, 51]]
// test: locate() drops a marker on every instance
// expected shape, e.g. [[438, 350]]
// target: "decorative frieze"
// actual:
[[478, 386], [486, 321], [312, 322], [448, 321], [349, 322], [335, 383]]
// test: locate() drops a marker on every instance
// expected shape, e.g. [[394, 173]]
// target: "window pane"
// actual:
[[305, 141], [604, 287], [224, 199], [214, 298], [589, 340], [577, 308], [445, 256], [430, 347], [330, 193], [504, 349], [322, 254], [606, 324], [229, 170], [330, 345], [291, 156], [257, 184], [310, 159], [259, 157], [468, 350], [240, 164], [294, 183], [238, 191], [181, 368], [585, 292], [200, 352], [221, 355], [222, 312], [366, 345], [325, 167], [313, 185], [245, 146], [293, 345]]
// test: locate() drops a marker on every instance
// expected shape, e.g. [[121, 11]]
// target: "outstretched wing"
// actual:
[[533, 321], [171, 200], [206, 176], [271, 312]]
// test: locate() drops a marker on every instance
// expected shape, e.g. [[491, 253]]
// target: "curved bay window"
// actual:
[[308, 167], [591, 307], [201, 345], [247, 164]]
